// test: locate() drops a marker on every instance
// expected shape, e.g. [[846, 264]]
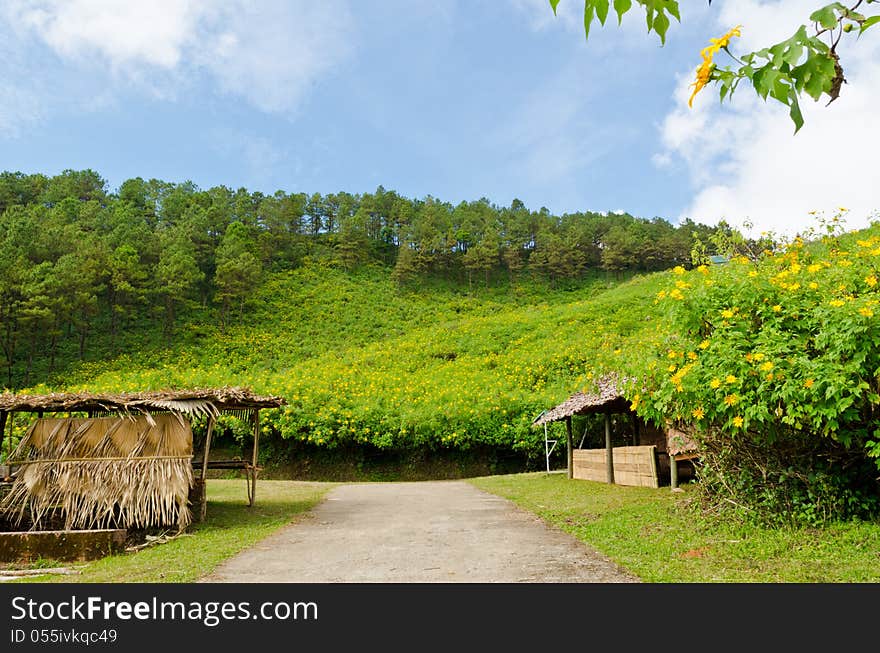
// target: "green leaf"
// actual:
[[794, 111], [661, 24], [621, 7], [601, 10], [553, 5], [826, 16], [793, 54], [869, 22], [589, 12]]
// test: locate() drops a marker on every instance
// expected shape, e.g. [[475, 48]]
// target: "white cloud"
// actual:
[[742, 156], [269, 53], [153, 33]]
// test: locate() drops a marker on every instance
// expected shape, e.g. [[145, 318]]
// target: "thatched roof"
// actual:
[[606, 397], [679, 441], [198, 401]]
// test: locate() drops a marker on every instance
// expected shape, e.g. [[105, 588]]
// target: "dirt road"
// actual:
[[435, 531]]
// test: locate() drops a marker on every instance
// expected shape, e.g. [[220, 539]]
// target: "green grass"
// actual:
[[659, 536], [230, 527]]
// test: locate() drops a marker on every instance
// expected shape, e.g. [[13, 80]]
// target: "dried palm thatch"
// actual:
[[193, 402], [125, 471], [606, 397], [680, 440]]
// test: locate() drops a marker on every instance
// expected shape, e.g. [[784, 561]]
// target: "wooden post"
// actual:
[[673, 472], [3, 416], [252, 495], [609, 452], [203, 506], [569, 445], [635, 430]]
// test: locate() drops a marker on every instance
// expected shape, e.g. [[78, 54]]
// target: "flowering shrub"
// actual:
[[774, 364]]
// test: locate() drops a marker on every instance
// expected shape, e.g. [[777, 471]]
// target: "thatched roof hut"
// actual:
[[120, 458], [606, 397]]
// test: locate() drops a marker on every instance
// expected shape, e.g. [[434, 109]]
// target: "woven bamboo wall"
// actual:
[[632, 465]]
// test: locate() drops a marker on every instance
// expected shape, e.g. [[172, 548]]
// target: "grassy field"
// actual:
[[660, 537], [231, 526]]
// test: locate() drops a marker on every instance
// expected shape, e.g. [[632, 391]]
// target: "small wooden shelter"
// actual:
[[635, 464], [126, 457]]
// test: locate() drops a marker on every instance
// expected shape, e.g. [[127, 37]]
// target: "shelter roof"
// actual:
[[606, 397], [192, 401]]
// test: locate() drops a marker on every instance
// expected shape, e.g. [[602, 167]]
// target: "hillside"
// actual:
[[365, 365]]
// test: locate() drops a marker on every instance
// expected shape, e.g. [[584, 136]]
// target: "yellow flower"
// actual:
[[672, 354], [836, 302], [758, 357], [871, 280], [730, 379], [714, 383], [867, 312], [698, 413], [815, 267], [730, 400], [692, 356], [675, 293], [678, 269], [813, 285], [661, 294], [635, 402], [777, 308], [766, 367], [752, 273], [702, 269], [737, 421], [704, 344], [704, 72], [672, 367], [808, 383], [727, 313]]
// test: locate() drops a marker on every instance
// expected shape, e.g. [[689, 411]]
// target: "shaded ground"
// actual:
[[433, 531]]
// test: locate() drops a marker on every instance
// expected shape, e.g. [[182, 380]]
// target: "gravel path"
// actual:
[[434, 531]]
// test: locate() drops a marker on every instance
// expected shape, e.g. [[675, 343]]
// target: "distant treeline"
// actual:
[[75, 256]]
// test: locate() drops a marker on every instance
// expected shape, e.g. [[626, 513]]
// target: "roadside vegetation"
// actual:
[[663, 537]]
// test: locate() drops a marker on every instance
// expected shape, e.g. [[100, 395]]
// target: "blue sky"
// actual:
[[458, 99]]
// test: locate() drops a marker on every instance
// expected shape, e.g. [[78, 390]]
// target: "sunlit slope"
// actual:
[[361, 362]]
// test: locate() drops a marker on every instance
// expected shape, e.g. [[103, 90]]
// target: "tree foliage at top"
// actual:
[[806, 63]]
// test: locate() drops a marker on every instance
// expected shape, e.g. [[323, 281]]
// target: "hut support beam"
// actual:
[[673, 472], [252, 481], [609, 451], [636, 434], [568, 443], [203, 504]]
